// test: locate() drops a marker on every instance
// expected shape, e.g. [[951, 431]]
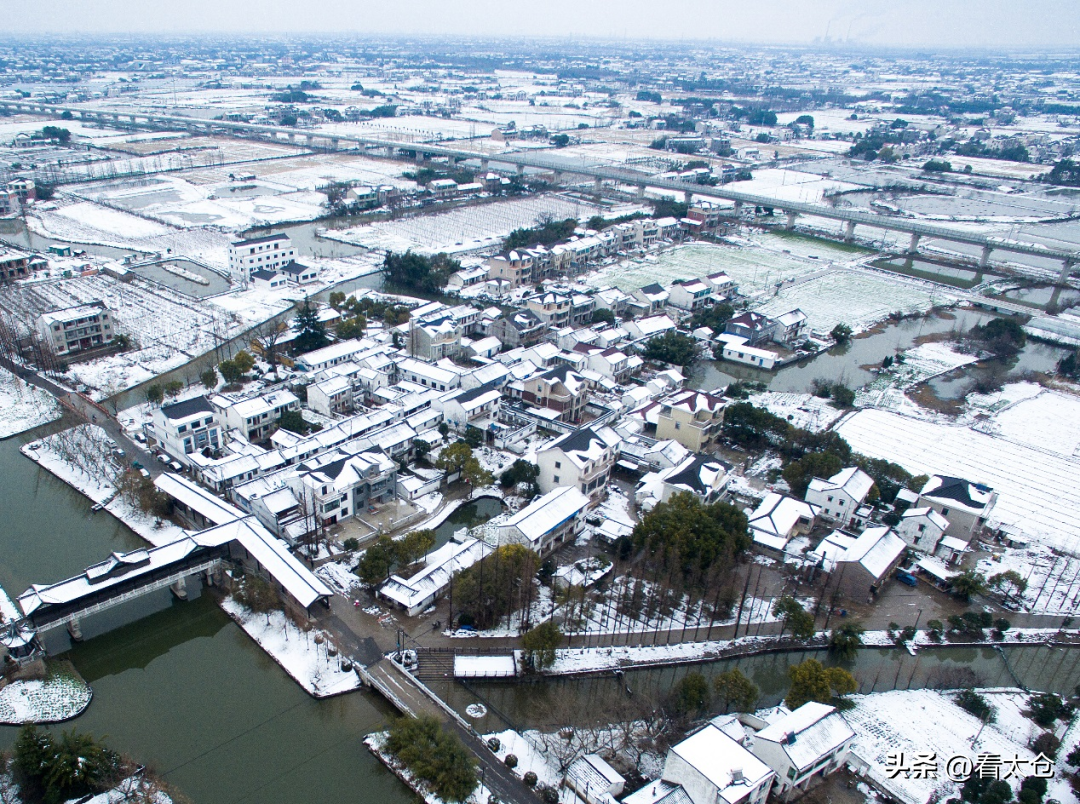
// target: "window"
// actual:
[[841, 502], [922, 528], [830, 499], [944, 511], [678, 426], [558, 464], [555, 478]]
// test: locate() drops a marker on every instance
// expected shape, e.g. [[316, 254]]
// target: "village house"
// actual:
[[859, 565], [811, 742], [583, 459], [779, 519], [690, 296], [702, 476], [520, 328], [693, 418], [964, 504], [434, 338], [560, 390], [708, 767], [754, 327], [76, 329], [922, 528], [186, 427], [296, 273], [255, 416], [841, 496], [269, 253], [548, 521], [476, 407], [653, 296]]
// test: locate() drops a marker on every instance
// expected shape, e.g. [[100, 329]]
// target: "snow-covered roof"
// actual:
[[333, 352], [809, 733], [592, 773], [853, 481], [547, 513], [659, 792], [778, 514], [74, 313], [955, 492], [270, 552], [586, 446], [931, 515], [484, 667], [435, 576], [197, 499], [719, 759], [876, 549], [936, 568]]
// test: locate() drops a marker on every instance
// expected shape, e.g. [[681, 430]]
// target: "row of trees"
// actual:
[[415, 271], [385, 554]]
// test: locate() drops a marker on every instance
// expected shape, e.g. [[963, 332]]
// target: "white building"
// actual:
[[74, 329], [186, 427], [812, 741], [841, 496], [779, 519], [708, 767], [421, 590], [702, 476], [582, 459], [340, 352], [256, 416], [966, 505], [477, 406], [548, 521], [690, 296], [922, 528], [269, 253]]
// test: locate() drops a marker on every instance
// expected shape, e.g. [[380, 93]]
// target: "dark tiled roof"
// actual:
[[955, 488], [264, 239], [189, 407], [577, 441]]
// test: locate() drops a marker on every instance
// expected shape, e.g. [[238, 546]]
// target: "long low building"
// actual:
[[547, 521], [416, 593]]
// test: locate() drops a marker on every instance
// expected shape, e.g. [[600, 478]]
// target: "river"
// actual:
[[184, 689]]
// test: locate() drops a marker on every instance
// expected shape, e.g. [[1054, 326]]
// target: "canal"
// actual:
[[184, 689], [551, 703]]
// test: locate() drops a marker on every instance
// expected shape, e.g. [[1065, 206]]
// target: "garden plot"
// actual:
[[312, 172], [1036, 487], [168, 328], [23, 406], [806, 411], [754, 270], [87, 222], [794, 185], [858, 299], [466, 228], [888, 722]]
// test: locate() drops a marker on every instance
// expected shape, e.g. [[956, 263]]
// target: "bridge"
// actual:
[[394, 145], [128, 576]]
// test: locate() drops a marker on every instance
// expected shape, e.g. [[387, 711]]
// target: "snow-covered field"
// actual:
[[897, 721], [167, 328], [61, 696], [856, 298], [308, 662], [1052, 586], [1036, 486], [87, 222], [466, 228], [23, 406], [1047, 420]]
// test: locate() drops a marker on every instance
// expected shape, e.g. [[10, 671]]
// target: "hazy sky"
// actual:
[[959, 23]]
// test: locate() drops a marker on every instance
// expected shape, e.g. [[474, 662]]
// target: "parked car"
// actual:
[[176, 466], [906, 578], [140, 438], [161, 456], [143, 472], [119, 453]]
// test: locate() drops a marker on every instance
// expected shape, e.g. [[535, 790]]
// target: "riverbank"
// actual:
[[308, 656], [81, 458], [60, 695], [581, 661], [376, 743]]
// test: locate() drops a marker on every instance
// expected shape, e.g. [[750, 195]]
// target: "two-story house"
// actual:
[[434, 338], [690, 296], [255, 416], [964, 504], [841, 496], [813, 741], [548, 521], [583, 459], [269, 253], [75, 329], [186, 427]]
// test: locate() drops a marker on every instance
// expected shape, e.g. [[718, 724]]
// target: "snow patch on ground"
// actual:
[[24, 406], [339, 578], [309, 663], [531, 758], [805, 411]]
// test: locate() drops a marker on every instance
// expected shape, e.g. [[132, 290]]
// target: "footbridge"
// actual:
[[395, 144], [128, 576]]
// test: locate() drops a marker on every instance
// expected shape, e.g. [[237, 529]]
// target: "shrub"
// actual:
[[494, 744], [434, 755], [351, 544], [976, 704], [510, 761], [1046, 707], [530, 779], [549, 795], [1046, 743]]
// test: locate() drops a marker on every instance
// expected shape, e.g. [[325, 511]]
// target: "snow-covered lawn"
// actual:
[[23, 406], [1036, 487], [339, 578], [1048, 420], [308, 662], [897, 721], [919, 364], [58, 697], [465, 228]]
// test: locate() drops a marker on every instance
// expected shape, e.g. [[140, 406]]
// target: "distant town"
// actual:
[[623, 424]]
